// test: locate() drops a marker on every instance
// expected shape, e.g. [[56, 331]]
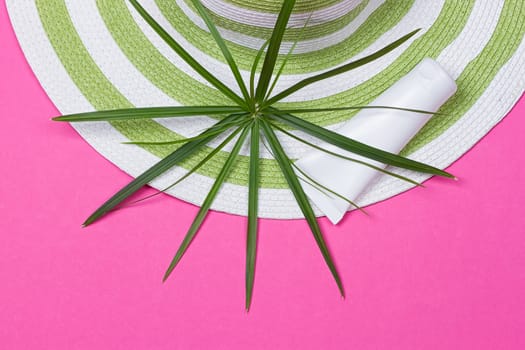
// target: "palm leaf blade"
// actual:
[[347, 158], [185, 55], [253, 200], [147, 113], [195, 168], [350, 108], [273, 49], [358, 147], [323, 189], [156, 170], [255, 65], [222, 45], [287, 57], [301, 199], [345, 68], [203, 211]]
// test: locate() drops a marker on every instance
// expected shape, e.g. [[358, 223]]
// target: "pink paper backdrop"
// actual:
[[434, 268]]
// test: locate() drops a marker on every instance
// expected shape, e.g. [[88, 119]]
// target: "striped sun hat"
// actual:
[[100, 54]]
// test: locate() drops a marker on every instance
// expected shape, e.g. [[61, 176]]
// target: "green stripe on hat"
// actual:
[[477, 76]]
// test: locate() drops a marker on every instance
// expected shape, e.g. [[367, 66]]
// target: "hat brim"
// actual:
[[101, 55]]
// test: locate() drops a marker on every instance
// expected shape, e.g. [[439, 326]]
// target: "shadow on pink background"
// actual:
[[435, 268]]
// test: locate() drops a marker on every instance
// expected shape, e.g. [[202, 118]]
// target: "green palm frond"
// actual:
[[253, 114]]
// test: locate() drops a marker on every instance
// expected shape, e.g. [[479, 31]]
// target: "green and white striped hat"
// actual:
[[100, 54]]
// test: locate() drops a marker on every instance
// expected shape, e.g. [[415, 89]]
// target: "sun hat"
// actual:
[[93, 55]]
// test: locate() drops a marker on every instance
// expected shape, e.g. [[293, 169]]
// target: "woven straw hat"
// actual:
[[100, 54]]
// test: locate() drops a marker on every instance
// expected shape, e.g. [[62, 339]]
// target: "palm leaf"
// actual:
[[203, 211], [255, 65], [254, 110], [300, 196], [287, 57], [357, 147], [253, 200], [195, 168], [317, 185], [222, 45], [355, 160], [156, 170], [147, 113], [186, 56], [323, 189], [350, 108], [345, 68], [273, 49]]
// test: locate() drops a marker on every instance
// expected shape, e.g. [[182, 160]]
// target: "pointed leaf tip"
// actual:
[[165, 277], [300, 196], [208, 201]]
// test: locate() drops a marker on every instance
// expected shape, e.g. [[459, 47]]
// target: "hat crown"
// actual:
[[256, 18], [300, 5], [274, 6]]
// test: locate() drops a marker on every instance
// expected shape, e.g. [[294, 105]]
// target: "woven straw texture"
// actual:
[[99, 54]]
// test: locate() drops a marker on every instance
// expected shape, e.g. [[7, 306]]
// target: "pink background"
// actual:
[[440, 267]]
